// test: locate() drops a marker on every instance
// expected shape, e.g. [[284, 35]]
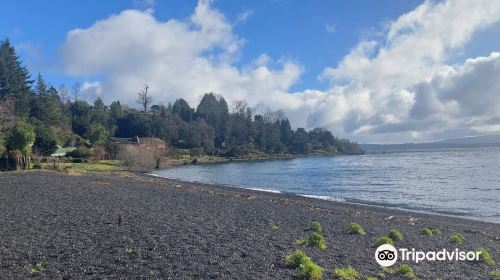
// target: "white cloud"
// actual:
[[244, 16], [330, 28], [393, 89]]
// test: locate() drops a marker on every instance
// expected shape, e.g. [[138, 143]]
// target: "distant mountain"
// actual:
[[466, 142]]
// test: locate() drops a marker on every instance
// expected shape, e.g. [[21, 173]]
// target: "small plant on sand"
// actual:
[[383, 240], [426, 231], [130, 250], [495, 273], [301, 241], [347, 273], [305, 267], [485, 256], [39, 266], [371, 278], [395, 235], [355, 228], [457, 238], [436, 231], [406, 270], [316, 226], [316, 240], [274, 227]]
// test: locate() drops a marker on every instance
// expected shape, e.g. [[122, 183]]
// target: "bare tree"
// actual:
[[63, 93], [144, 98], [76, 90]]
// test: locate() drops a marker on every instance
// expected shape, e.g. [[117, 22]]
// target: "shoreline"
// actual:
[[370, 207], [171, 229]]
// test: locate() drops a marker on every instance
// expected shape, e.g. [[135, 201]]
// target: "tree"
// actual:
[[116, 110], [97, 134], [21, 138], [183, 110], [15, 80], [214, 110], [144, 98], [45, 142]]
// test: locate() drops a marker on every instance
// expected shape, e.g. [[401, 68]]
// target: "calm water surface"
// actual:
[[460, 182]]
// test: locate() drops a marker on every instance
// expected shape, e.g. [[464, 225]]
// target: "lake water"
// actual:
[[459, 182]]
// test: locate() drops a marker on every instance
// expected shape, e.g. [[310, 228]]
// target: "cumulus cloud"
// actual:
[[394, 89]]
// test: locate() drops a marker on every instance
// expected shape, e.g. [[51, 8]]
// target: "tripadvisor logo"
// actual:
[[387, 255]]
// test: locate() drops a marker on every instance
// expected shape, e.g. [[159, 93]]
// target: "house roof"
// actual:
[[60, 152]]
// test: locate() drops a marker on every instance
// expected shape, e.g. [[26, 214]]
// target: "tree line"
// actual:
[[35, 117]]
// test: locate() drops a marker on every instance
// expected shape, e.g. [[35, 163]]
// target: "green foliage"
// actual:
[[436, 231], [383, 240], [22, 138], [426, 231], [316, 226], [97, 134], [406, 270], [485, 256], [316, 240], [371, 278], [80, 152], [3, 149], [38, 267], [395, 235], [347, 273], [457, 238], [305, 267], [495, 273], [310, 270], [274, 227], [355, 228], [45, 142]]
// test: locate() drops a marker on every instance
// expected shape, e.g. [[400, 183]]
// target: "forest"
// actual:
[[35, 117]]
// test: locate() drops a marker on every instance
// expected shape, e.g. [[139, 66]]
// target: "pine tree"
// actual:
[[15, 80]]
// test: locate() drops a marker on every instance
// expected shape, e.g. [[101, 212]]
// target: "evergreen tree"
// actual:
[[15, 80]]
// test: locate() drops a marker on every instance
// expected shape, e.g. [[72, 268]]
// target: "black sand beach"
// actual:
[[177, 230]]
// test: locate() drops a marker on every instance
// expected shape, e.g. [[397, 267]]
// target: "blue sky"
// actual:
[[376, 71], [315, 35]]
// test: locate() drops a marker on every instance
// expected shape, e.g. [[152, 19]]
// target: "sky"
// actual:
[[373, 71]]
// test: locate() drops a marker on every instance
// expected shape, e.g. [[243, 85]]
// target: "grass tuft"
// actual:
[[495, 273], [436, 231], [274, 227], [485, 256], [39, 266], [395, 235], [347, 273], [316, 226], [355, 228], [426, 231], [305, 267], [383, 240], [457, 238], [316, 240], [406, 270]]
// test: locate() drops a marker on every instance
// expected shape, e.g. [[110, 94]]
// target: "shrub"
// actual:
[[355, 228], [436, 231], [306, 268], [301, 241], [457, 238], [310, 270], [406, 270], [395, 235], [316, 226], [383, 240], [316, 240], [495, 273], [485, 256], [45, 142], [426, 231], [296, 258], [347, 273], [138, 159], [81, 152]]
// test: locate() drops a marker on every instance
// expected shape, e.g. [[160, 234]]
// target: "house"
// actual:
[[61, 152]]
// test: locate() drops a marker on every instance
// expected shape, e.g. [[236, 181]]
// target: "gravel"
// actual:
[[177, 230]]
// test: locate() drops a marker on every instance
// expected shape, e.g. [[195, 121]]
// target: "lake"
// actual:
[[458, 182]]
